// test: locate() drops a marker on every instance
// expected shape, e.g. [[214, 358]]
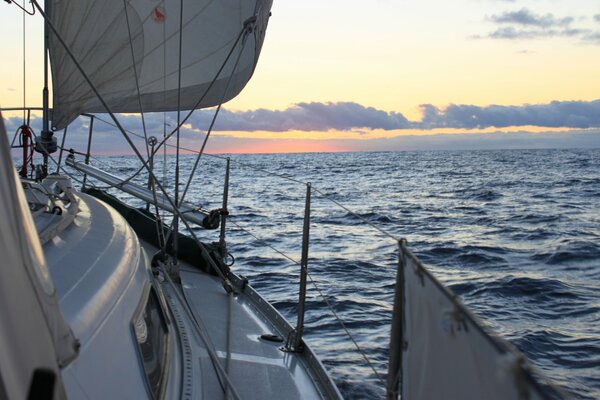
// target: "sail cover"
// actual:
[[449, 355], [123, 45]]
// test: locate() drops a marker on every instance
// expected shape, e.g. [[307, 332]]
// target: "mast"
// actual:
[[46, 142]]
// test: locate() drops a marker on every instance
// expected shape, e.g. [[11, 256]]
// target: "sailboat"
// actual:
[[105, 300]]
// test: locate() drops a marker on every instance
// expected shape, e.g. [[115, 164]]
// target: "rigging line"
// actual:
[[263, 241], [175, 224], [137, 82], [164, 29], [366, 221], [177, 150], [24, 64], [160, 232], [205, 337], [214, 119], [62, 168], [159, 226], [191, 175], [210, 128], [224, 279], [339, 319], [246, 165], [242, 31], [329, 305], [22, 7]]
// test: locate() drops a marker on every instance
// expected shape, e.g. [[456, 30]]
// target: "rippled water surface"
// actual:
[[515, 233]]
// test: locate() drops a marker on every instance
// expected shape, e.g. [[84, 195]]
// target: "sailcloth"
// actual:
[[126, 46], [449, 355]]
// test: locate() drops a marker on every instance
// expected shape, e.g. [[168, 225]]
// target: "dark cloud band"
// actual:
[[346, 116]]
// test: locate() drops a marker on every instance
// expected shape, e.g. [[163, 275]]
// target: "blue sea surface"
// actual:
[[515, 233]]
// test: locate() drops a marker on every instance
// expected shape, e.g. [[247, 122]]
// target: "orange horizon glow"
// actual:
[[283, 146]]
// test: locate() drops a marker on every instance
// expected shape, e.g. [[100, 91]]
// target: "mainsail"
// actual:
[[131, 47]]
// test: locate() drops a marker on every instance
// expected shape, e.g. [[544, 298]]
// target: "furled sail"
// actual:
[[130, 45], [447, 354]]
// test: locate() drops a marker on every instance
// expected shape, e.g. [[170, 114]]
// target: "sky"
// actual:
[[348, 75]]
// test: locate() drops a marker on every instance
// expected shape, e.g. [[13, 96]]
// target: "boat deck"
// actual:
[[223, 345], [230, 326]]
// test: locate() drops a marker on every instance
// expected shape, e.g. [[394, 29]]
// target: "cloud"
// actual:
[[106, 140], [348, 116], [592, 37], [513, 33], [525, 17], [524, 24], [557, 114], [305, 117], [597, 17]]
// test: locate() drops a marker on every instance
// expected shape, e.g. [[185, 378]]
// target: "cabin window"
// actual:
[[151, 334]]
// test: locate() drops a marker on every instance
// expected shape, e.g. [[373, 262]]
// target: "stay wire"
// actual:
[[245, 165], [159, 226], [137, 82], [24, 61], [239, 37], [210, 128], [214, 119], [360, 217]]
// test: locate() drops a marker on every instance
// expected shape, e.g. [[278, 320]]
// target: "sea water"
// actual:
[[515, 233]]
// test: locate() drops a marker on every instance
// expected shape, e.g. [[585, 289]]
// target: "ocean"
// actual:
[[515, 233]]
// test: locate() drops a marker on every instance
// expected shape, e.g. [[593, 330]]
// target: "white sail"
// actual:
[[121, 42], [449, 355]]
